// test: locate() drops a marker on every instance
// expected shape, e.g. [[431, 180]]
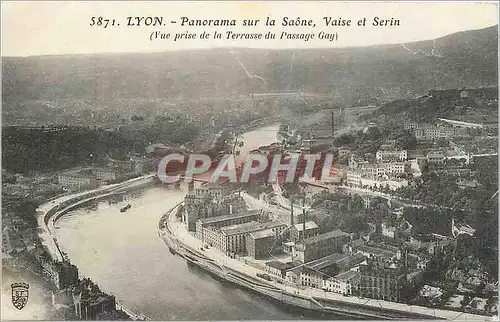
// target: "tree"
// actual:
[[466, 300], [406, 140]]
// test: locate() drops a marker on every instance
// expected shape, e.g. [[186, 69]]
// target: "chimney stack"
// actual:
[[303, 218]]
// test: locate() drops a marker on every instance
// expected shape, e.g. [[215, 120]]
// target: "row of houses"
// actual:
[[350, 274], [433, 131], [357, 179]]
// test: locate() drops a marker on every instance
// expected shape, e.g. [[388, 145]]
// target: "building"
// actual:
[[289, 248], [378, 256], [343, 283], [312, 278], [353, 178], [78, 179], [468, 184], [276, 226], [356, 162], [62, 274], [195, 208], [209, 188], [231, 239], [388, 230], [432, 131], [226, 220], [417, 155], [139, 165], [261, 243], [90, 302], [357, 179], [322, 245], [380, 169], [278, 268], [234, 237], [454, 171], [436, 132], [293, 275], [385, 155], [108, 175], [381, 283], [297, 231], [436, 157], [423, 264]]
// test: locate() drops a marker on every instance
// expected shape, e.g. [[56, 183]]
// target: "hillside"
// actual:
[[479, 105], [465, 59]]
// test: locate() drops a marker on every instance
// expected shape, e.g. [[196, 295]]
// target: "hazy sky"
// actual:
[[53, 28]]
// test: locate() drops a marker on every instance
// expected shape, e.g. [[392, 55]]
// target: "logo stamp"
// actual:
[[20, 295]]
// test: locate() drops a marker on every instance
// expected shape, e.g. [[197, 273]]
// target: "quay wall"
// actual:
[[250, 283]]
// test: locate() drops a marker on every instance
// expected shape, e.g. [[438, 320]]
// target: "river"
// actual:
[[124, 255]]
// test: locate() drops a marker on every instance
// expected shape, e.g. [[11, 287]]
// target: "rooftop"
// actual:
[[210, 185], [356, 259], [376, 251], [311, 271], [280, 265], [228, 217], [271, 224], [325, 236], [326, 261], [241, 228], [346, 275], [262, 234], [309, 225]]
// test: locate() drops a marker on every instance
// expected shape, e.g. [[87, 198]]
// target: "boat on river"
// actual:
[[127, 207]]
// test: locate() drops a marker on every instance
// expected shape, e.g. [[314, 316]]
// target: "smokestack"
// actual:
[[333, 125], [291, 212], [303, 218]]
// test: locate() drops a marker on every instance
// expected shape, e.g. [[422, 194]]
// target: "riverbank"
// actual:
[[187, 246], [50, 212]]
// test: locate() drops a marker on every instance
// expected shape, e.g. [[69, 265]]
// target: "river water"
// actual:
[[123, 254]]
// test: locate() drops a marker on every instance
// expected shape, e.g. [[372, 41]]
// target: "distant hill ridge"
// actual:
[[464, 59]]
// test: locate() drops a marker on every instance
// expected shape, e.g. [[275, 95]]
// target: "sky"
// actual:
[[64, 27]]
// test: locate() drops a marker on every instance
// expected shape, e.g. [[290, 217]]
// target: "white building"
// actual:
[[344, 283], [78, 179], [388, 231], [391, 155], [311, 278], [436, 157], [432, 132], [380, 169], [104, 174], [355, 179]]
